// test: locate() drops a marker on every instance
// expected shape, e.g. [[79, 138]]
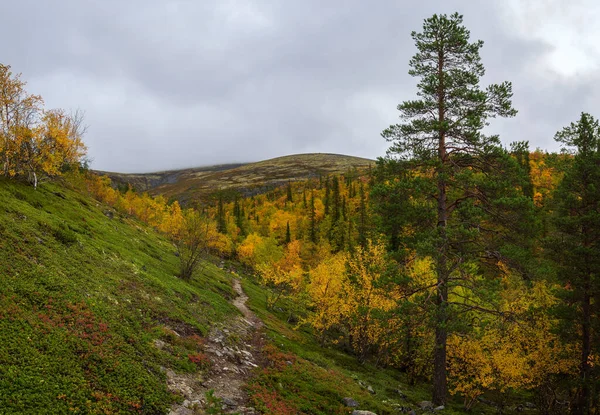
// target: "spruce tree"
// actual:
[[288, 233], [440, 140], [312, 216], [576, 247]]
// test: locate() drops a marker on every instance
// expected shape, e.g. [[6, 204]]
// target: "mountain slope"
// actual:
[[84, 294], [247, 179]]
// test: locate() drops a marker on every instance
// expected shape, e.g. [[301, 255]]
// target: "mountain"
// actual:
[[245, 178]]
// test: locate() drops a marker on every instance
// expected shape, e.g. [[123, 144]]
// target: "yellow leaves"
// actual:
[[326, 288], [35, 142], [284, 276], [518, 352], [469, 368], [543, 177], [278, 224], [421, 271], [172, 221]]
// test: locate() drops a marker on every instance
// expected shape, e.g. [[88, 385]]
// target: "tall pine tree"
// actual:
[[576, 247], [440, 139]]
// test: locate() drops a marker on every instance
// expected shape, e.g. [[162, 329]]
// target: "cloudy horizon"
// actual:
[[175, 84]]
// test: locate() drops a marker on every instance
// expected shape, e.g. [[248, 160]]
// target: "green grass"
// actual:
[[84, 292]]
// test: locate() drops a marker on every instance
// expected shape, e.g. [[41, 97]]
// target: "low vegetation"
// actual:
[[85, 292]]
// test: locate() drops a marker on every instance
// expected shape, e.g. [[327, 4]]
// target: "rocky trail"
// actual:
[[233, 349]]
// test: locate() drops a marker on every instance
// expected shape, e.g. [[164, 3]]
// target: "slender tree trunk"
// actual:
[[441, 303], [440, 384], [582, 405]]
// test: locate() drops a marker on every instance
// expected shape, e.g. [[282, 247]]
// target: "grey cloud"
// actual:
[[168, 84]]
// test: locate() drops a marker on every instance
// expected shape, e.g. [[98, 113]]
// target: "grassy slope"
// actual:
[[249, 178], [84, 292]]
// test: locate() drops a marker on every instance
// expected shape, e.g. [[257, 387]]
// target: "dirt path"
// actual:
[[233, 349]]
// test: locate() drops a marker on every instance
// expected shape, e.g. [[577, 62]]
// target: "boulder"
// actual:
[[426, 405], [350, 402], [229, 402], [357, 412], [370, 390]]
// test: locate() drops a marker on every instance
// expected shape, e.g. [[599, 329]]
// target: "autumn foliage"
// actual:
[[35, 142]]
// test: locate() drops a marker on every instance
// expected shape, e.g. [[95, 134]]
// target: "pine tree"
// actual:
[[327, 196], [520, 150], [441, 138], [576, 246], [362, 216], [288, 234], [221, 222], [290, 197], [312, 216]]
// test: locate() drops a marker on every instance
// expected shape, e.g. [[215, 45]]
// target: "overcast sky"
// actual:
[[170, 84]]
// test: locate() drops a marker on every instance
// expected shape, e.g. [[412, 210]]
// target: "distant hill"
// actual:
[[245, 178]]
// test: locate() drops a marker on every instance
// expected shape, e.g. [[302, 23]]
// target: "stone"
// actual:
[[181, 410], [426, 405], [229, 402], [439, 408], [350, 402], [358, 412], [370, 390]]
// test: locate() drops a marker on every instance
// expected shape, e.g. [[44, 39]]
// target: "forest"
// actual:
[[458, 260]]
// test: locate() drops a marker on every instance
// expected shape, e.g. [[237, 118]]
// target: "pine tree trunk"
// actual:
[[583, 397], [441, 304]]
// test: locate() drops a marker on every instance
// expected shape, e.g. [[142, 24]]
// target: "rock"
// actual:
[[400, 394], [439, 408], [426, 405], [357, 412], [529, 405], [159, 344], [370, 390], [181, 410], [289, 363], [229, 402], [350, 402]]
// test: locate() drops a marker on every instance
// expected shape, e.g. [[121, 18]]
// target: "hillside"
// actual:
[[247, 179], [93, 320], [85, 294]]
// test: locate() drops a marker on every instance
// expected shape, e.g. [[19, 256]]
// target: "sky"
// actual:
[[172, 84]]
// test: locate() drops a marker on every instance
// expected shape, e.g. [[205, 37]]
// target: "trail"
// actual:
[[234, 351]]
